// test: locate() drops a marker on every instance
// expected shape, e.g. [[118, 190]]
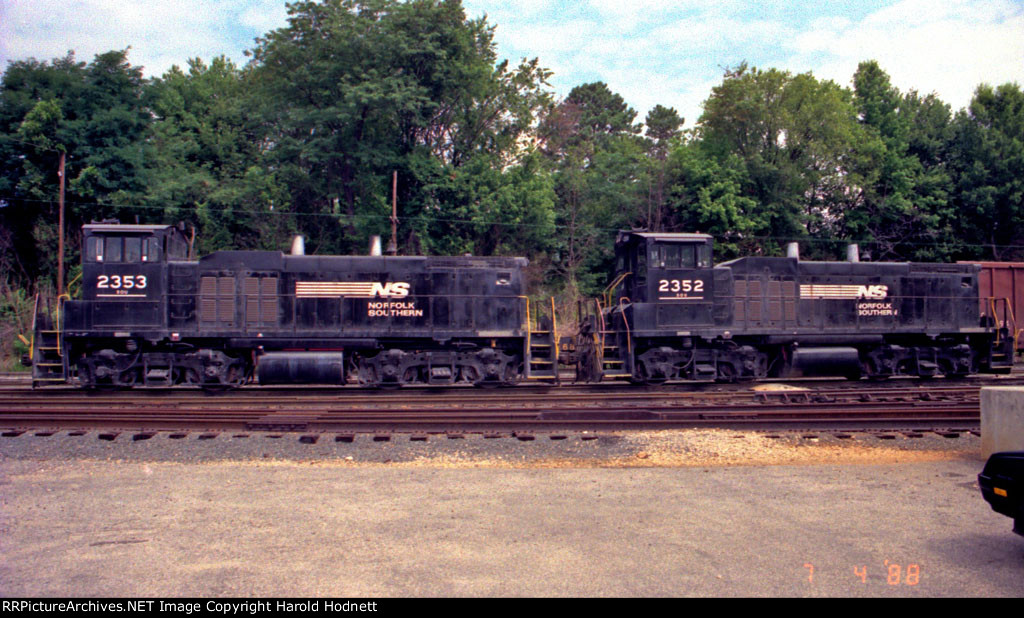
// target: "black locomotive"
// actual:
[[670, 314], [150, 315]]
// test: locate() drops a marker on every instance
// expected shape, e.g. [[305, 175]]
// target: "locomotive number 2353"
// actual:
[[681, 285], [117, 282]]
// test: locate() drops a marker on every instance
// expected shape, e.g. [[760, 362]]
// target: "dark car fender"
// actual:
[[1002, 486]]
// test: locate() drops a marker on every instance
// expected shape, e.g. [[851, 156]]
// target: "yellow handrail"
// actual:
[[554, 331], [32, 346], [629, 337], [608, 291], [66, 296], [529, 323], [1013, 320]]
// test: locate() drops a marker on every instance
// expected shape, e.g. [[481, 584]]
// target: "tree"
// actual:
[[987, 160], [356, 90], [95, 114], [663, 127], [793, 136], [593, 144], [899, 185], [208, 167], [704, 193]]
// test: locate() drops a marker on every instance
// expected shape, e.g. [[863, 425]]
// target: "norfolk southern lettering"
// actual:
[[393, 310]]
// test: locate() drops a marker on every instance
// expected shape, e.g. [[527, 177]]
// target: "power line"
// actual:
[[422, 218], [21, 141]]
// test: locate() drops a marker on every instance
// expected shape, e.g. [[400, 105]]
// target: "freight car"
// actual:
[[1005, 281], [150, 316], [670, 314]]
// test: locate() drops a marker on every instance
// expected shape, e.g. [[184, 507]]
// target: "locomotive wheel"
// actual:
[[188, 377], [128, 378], [86, 377], [726, 373], [235, 377], [647, 379]]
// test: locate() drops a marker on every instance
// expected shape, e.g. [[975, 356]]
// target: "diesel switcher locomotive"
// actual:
[[150, 315], [670, 314]]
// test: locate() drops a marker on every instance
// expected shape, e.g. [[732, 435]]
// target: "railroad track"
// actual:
[[891, 405]]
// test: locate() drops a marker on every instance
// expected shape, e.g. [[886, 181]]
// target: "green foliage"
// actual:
[[899, 185], [792, 134], [15, 319], [207, 168], [95, 114], [354, 91], [597, 155], [706, 195], [987, 161]]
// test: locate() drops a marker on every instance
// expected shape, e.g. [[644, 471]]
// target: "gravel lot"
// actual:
[[665, 513]]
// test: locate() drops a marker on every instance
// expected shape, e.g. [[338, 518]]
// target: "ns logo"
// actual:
[[874, 292], [391, 289]]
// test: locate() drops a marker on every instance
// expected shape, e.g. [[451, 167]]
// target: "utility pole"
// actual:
[[393, 243], [60, 233]]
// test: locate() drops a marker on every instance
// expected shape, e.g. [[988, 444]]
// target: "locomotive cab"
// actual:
[[123, 262], [666, 278], [124, 272], [656, 267], [661, 301]]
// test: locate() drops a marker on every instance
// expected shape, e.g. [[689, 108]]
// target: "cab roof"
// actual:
[[118, 227], [665, 236]]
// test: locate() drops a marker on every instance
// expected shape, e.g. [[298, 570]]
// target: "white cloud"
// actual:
[[265, 16], [160, 33], [677, 57], [946, 48]]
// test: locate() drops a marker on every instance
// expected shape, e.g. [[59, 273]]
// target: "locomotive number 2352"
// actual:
[[117, 282], [681, 285]]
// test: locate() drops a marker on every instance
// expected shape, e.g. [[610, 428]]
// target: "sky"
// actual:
[[667, 52]]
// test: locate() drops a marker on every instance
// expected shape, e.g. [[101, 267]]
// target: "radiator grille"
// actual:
[[261, 302], [217, 301]]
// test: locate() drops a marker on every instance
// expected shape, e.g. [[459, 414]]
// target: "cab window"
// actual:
[[673, 256], [150, 249], [94, 249], [704, 256], [687, 257], [113, 249], [132, 249], [176, 249]]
